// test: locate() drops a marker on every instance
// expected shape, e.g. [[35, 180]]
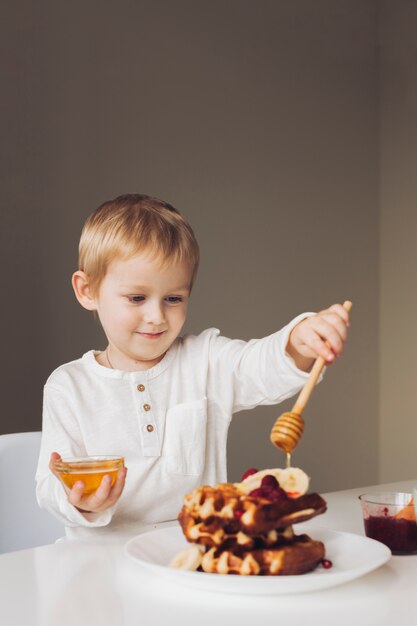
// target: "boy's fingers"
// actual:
[[337, 312], [118, 486], [337, 324], [53, 459], [76, 494], [323, 334], [104, 497], [328, 328], [320, 348], [334, 339], [345, 314], [95, 501], [92, 502]]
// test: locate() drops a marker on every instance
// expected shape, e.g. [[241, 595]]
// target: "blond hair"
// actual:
[[132, 224]]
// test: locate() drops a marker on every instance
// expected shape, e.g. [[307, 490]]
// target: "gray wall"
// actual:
[[259, 120], [398, 337]]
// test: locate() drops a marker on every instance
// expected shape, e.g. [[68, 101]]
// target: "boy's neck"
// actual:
[[128, 365]]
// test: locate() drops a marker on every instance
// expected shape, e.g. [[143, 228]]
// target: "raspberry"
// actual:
[[276, 494], [268, 493], [238, 513], [257, 493], [327, 564], [270, 482], [249, 472]]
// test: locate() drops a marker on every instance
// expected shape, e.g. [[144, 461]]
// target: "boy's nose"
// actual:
[[154, 313]]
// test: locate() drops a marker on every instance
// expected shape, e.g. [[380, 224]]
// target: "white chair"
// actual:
[[22, 523]]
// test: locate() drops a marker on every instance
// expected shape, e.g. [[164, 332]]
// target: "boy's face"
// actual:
[[142, 307]]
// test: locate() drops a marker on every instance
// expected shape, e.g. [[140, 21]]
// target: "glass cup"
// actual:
[[390, 517], [415, 500], [89, 469]]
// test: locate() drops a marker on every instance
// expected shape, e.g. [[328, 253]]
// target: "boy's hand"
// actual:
[[103, 498], [323, 334]]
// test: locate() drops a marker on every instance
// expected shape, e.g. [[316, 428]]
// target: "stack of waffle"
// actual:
[[246, 528]]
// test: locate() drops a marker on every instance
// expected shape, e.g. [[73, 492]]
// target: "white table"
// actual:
[[84, 582]]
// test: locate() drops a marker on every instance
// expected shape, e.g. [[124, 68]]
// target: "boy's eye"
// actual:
[[173, 299], [136, 298]]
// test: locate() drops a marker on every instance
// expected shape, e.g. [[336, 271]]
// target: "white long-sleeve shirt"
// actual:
[[170, 422]]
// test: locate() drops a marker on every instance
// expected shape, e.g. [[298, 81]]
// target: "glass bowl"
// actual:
[[390, 517], [89, 469]]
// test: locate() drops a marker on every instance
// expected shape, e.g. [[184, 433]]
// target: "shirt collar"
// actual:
[[89, 360]]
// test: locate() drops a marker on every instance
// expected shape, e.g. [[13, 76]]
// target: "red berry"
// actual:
[[277, 494], [327, 564], [269, 493], [257, 493], [269, 481], [238, 513], [248, 472]]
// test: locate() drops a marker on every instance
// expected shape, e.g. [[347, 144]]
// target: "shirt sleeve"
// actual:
[[256, 372], [61, 433]]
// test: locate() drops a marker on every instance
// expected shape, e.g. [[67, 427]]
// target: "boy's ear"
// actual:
[[82, 290]]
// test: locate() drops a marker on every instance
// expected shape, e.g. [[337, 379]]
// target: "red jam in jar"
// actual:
[[400, 535]]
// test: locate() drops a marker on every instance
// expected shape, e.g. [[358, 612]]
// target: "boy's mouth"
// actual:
[[150, 335]]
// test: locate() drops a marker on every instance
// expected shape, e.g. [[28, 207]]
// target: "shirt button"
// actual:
[[149, 428], [147, 407], [140, 387]]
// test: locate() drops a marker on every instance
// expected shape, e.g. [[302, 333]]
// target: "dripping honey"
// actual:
[[91, 471]]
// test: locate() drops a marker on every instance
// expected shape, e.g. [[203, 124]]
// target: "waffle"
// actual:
[[299, 557], [222, 510], [246, 528], [215, 536]]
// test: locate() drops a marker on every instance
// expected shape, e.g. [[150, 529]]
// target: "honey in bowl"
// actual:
[[89, 469]]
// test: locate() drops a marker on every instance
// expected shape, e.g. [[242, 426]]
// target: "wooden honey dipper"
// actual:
[[289, 427]]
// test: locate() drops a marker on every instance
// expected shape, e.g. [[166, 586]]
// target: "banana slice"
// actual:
[[294, 481], [189, 559]]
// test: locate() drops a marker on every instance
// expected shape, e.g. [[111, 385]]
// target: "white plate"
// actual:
[[352, 556]]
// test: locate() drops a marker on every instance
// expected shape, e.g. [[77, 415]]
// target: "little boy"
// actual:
[[162, 401]]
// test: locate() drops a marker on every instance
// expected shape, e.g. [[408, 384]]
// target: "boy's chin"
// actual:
[[150, 359]]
